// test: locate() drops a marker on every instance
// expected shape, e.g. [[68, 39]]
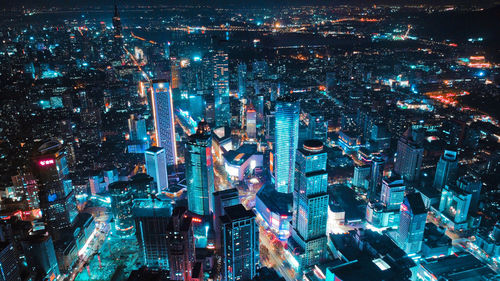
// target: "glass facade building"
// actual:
[[163, 114], [156, 166], [221, 89]]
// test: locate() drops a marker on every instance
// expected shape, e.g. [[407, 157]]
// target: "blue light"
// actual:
[[481, 74], [196, 58]]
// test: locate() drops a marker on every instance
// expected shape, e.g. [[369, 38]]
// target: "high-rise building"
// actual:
[[376, 174], [118, 36], [471, 185], [317, 128], [310, 206], [222, 199], [57, 198], [409, 156], [412, 223], [240, 240], [454, 204], [40, 255], [137, 129], [393, 192], [163, 114], [156, 167], [242, 80], [9, 267], [251, 122], [221, 89], [200, 171], [121, 207], [446, 170], [361, 175], [286, 141], [180, 245], [151, 218]]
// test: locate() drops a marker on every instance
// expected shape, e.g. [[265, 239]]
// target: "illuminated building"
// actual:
[[317, 128], [412, 223], [460, 266], [361, 175], [275, 208], [310, 206], [151, 218], [259, 69], [200, 171], [409, 156], [57, 198], [446, 169], [8, 262], [241, 162], [471, 185], [180, 245], [118, 36], [27, 183], [242, 79], [143, 185], [286, 141], [40, 255], [393, 192], [137, 130], [376, 174], [454, 206], [240, 239], [175, 76], [348, 141], [156, 166], [121, 207], [221, 89], [222, 199], [251, 119], [163, 114]]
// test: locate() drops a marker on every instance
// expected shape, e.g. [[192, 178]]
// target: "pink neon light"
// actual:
[[46, 162]]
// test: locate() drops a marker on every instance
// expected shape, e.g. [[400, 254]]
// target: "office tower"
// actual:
[[175, 75], [196, 106], [55, 189], [151, 218], [376, 174], [361, 175], [40, 255], [180, 244], [393, 192], [166, 51], [118, 36], [163, 114], [446, 170], [240, 240], [143, 185], [471, 185], [221, 89], [242, 80], [412, 223], [286, 141], [137, 129], [156, 166], [251, 122], [317, 128], [222, 199], [200, 171], [27, 182], [455, 204], [121, 207], [310, 206], [409, 156], [9, 267]]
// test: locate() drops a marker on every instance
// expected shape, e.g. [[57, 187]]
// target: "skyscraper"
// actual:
[[200, 171], [376, 174], [163, 114], [156, 167], [222, 199], [251, 122], [57, 198], [286, 141], [118, 36], [361, 175], [412, 223], [9, 267], [137, 128], [240, 239], [446, 170], [409, 156], [180, 244], [393, 192], [221, 89], [151, 218], [455, 204], [317, 128], [310, 206], [121, 207], [242, 80], [472, 186], [40, 255]]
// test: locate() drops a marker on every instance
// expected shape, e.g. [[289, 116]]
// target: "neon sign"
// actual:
[[46, 162]]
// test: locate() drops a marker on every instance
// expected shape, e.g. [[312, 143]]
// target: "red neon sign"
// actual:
[[46, 162]]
